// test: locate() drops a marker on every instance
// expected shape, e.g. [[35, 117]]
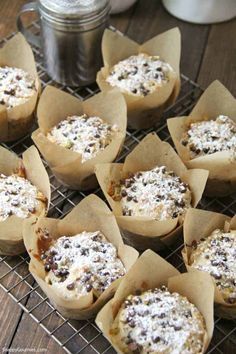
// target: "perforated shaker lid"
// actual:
[[73, 8]]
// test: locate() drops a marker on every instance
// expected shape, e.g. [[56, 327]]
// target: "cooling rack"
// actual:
[[84, 336]]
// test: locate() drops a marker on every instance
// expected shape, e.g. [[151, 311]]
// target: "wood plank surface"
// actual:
[[208, 53]]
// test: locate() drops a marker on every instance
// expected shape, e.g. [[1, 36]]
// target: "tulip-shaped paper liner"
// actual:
[[151, 271], [215, 101], [91, 214], [17, 121], [11, 229], [144, 232], [143, 112], [200, 224], [55, 106]]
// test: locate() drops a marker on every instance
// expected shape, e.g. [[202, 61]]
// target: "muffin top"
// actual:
[[140, 74], [157, 321], [216, 255], [83, 134], [16, 86], [158, 193], [208, 137], [79, 264], [19, 197]]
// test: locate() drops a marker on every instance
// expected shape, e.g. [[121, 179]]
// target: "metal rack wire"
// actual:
[[84, 336]]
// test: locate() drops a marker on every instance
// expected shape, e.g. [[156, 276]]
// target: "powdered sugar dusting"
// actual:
[[140, 74], [208, 137], [85, 135], [17, 197], [158, 193], [216, 255], [82, 263], [158, 321], [16, 86]]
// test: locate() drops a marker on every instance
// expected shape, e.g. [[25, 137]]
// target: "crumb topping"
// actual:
[[158, 193], [18, 197], [140, 74], [216, 255], [83, 134], [158, 321], [16, 86], [208, 137], [82, 263]]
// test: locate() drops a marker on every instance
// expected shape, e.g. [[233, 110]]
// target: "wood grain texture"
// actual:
[[208, 52], [219, 60]]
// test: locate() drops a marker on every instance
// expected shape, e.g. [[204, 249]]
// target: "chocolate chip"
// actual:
[[216, 275], [18, 77], [129, 198], [2, 101], [215, 262], [70, 286], [47, 267], [161, 315], [134, 90], [43, 256], [131, 323], [123, 193], [88, 287], [156, 339], [206, 150], [184, 142], [175, 214], [10, 92], [177, 328]]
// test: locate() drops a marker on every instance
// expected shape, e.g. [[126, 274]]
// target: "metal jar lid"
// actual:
[[74, 11]]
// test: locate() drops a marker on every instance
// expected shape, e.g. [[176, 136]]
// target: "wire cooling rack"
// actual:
[[84, 336]]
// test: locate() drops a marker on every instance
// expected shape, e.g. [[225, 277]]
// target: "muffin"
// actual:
[[207, 139], [157, 321], [19, 88], [158, 193], [150, 192], [78, 261], [158, 310], [79, 264], [24, 192], [83, 134], [139, 75], [210, 247], [216, 256], [73, 135], [147, 75], [19, 197], [210, 136]]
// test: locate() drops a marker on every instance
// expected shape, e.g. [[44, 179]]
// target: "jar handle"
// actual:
[[32, 38]]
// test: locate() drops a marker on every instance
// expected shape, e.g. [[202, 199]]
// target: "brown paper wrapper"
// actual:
[[200, 224], [143, 275], [91, 214], [143, 112], [11, 230], [54, 106], [214, 101], [17, 121], [145, 232]]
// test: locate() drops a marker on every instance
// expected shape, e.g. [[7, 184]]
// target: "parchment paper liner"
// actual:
[[17, 121], [54, 106], [143, 112], [200, 224], [91, 214], [145, 232], [144, 275], [11, 237], [214, 101]]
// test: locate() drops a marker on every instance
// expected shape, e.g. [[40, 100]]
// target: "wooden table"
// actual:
[[208, 53]]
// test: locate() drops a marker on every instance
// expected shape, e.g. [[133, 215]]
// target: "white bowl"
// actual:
[[201, 11], [118, 6]]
